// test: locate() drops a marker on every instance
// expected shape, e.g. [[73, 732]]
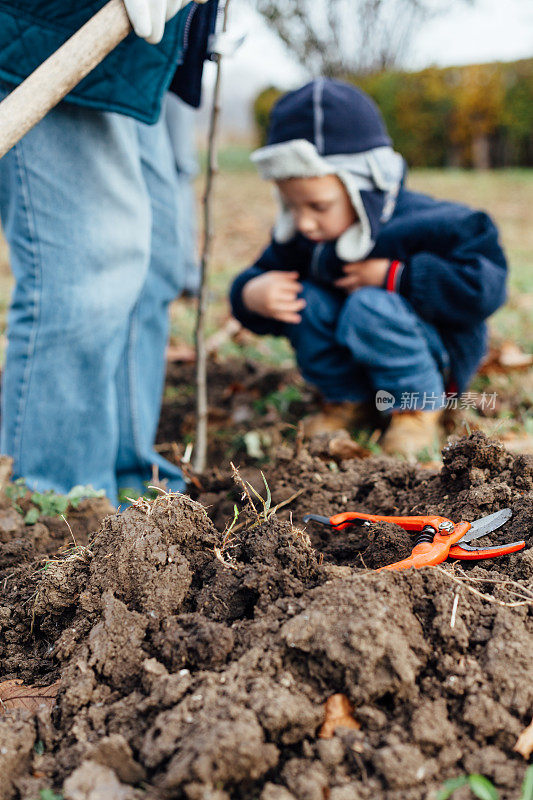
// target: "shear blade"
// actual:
[[317, 518], [469, 547], [485, 525]]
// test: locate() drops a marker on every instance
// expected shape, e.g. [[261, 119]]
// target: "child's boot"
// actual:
[[411, 432], [335, 417]]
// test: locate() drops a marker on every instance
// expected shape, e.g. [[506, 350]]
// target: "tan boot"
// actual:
[[411, 432], [335, 417]]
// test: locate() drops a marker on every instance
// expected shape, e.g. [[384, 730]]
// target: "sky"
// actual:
[[487, 30]]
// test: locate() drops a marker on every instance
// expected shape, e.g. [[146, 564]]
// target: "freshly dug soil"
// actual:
[[195, 661]]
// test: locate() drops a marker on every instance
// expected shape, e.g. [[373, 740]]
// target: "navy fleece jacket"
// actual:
[[453, 276]]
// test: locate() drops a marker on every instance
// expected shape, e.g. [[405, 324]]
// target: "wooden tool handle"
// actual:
[[61, 72]]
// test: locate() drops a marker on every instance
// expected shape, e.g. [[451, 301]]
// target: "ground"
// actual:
[[195, 640], [196, 643]]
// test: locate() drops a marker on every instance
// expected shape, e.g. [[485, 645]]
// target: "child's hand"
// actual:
[[275, 295], [371, 272]]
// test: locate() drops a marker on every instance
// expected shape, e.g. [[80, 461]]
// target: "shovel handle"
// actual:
[[61, 72]]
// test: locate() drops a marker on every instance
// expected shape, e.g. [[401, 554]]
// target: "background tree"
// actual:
[[479, 115], [346, 37]]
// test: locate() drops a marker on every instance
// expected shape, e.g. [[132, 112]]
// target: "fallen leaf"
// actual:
[[229, 331], [13, 694], [182, 353], [505, 358], [252, 442], [524, 743], [233, 388], [339, 714], [345, 449]]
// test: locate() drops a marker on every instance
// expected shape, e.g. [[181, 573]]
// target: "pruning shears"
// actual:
[[438, 537]]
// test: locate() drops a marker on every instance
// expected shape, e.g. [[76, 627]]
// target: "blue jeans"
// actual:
[[180, 122], [353, 346], [88, 201]]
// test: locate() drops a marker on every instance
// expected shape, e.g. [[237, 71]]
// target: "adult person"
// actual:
[[90, 206]]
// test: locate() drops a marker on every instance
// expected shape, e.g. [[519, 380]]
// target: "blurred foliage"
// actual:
[[480, 115], [262, 107]]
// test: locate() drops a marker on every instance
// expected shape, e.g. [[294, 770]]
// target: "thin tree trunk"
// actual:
[[200, 449]]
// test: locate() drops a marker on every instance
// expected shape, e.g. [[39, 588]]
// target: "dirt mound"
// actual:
[[195, 664]]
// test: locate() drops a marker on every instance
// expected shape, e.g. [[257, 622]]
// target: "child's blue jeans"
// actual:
[[353, 346], [88, 202]]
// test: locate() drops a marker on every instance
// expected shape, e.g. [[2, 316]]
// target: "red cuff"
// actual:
[[393, 276]]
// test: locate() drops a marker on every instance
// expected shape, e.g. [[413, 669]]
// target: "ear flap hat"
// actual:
[[332, 128]]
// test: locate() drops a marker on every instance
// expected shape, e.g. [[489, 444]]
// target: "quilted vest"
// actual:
[[131, 80]]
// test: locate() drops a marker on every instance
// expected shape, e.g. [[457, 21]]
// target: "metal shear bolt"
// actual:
[[447, 525]]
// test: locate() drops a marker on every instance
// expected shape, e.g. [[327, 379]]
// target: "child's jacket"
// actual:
[[452, 272]]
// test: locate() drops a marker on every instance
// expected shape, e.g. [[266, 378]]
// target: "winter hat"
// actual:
[[332, 128]]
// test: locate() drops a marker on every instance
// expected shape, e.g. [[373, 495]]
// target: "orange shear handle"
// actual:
[[428, 554], [340, 521], [491, 552]]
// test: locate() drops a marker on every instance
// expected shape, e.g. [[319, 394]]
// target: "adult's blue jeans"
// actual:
[[354, 346], [89, 204]]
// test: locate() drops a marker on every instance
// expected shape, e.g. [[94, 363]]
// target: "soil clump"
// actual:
[[195, 659]]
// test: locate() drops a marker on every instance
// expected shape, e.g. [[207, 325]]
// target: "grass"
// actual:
[[245, 210], [483, 788]]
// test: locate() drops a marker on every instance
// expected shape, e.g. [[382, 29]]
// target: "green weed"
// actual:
[[527, 786], [49, 794], [178, 394], [49, 503], [280, 399], [483, 788], [16, 490], [126, 494], [428, 454], [265, 502], [223, 552], [248, 490], [366, 438], [479, 785]]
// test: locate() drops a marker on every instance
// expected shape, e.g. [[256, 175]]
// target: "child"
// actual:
[[382, 292]]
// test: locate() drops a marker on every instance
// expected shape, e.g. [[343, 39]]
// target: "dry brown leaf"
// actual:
[[513, 357], [345, 449], [339, 714], [13, 694], [506, 358], [229, 331], [182, 353], [524, 743]]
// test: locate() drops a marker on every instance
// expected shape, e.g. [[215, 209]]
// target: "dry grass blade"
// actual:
[[237, 477], [463, 582], [222, 552], [523, 590], [454, 610], [287, 501], [13, 694]]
